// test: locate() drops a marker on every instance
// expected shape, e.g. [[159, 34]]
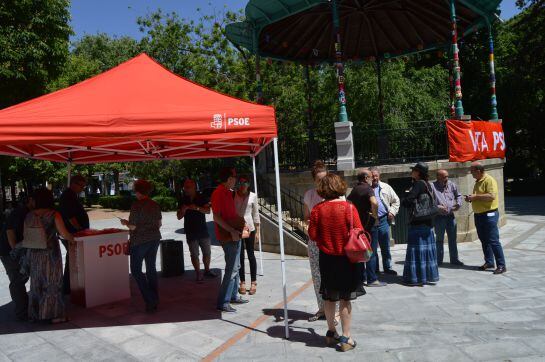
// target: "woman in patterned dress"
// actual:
[[311, 199], [46, 301]]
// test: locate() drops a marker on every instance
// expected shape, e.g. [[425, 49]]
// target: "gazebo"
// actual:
[[336, 31]]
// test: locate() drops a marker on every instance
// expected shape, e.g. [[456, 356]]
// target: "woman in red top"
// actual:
[[342, 281]]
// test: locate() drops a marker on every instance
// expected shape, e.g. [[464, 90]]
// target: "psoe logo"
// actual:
[[220, 121]]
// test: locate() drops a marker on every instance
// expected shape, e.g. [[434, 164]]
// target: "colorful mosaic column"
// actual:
[[493, 101], [459, 108], [451, 86], [343, 116]]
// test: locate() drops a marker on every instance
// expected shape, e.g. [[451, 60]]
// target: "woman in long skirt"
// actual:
[[311, 199], [421, 258], [46, 301]]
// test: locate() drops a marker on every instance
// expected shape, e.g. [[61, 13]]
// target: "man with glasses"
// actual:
[[228, 227], [75, 218]]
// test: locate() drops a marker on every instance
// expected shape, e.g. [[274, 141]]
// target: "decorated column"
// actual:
[[459, 108], [493, 101], [343, 128]]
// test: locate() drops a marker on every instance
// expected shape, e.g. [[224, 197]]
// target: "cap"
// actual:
[[422, 167]]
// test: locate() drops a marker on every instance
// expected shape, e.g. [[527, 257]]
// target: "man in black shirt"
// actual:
[[10, 253], [75, 218], [363, 197], [193, 209]]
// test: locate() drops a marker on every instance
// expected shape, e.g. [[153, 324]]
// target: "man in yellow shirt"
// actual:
[[485, 207]]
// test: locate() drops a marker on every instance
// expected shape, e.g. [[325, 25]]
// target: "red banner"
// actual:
[[475, 140]]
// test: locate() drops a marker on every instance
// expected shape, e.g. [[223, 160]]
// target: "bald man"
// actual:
[[484, 201], [449, 201]]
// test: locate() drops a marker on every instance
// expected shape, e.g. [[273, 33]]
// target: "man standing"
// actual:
[[449, 200], [228, 227], [10, 255], [484, 201], [75, 218], [193, 209], [388, 207], [363, 197]]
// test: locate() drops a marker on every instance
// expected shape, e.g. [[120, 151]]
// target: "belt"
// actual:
[[486, 212]]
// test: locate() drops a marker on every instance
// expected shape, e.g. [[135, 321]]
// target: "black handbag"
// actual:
[[425, 207]]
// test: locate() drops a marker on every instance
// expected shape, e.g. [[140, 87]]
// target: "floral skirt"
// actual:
[[45, 297]]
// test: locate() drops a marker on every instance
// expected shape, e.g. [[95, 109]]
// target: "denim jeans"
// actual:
[[489, 234], [446, 223], [370, 270], [381, 232], [17, 288], [229, 284], [147, 284]]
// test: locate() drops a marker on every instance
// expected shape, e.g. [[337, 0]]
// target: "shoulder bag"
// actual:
[[425, 207], [358, 248]]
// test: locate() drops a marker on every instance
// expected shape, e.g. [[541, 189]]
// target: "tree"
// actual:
[[34, 42]]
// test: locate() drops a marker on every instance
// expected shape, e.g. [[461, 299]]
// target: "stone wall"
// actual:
[[399, 175]]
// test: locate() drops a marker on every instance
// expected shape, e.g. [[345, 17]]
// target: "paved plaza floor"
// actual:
[[469, 315]]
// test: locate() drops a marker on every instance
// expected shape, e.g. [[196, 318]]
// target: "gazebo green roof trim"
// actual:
[[262, 13]]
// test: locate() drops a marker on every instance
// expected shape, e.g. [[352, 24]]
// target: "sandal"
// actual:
[[331, 338], [253, 288], [242, 289], [344, 344], [319, 316]]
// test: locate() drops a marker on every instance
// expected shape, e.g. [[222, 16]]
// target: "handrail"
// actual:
[[292, 207]]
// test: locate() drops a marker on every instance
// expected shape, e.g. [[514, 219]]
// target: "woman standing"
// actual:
[[421, 258], [341, 280], [46, 301], [247, 207], [144, 224], [310, 200]]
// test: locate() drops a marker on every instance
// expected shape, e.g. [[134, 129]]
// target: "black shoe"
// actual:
[[390, 271], [239, 301], [227, 309], [210, 274], [151, 308], [457, 263], [500, 270], [486, 266]]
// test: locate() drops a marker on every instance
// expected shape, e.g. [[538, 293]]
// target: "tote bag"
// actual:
[[358, 248]]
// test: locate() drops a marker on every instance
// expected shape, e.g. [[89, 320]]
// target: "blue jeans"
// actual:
[[489, 234], [147, 284], [380, 236], [446, 223], [381, 232], [230, 281]]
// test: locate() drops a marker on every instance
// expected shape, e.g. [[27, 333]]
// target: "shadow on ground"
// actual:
[[521, 206], [305, 335], [181, 300]]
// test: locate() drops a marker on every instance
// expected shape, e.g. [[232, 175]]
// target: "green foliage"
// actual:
[[167, 203], [34, 46], [116, 202]]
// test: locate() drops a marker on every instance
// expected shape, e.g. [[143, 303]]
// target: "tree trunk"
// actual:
[[116, 182]]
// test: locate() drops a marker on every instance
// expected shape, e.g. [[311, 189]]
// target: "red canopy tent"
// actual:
[[140, 111], [137, 111]]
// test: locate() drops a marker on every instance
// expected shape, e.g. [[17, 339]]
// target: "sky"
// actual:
[[118, 17]]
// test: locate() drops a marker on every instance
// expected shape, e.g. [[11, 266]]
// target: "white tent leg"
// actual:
[[259, 236], [281, 236], [69, 173]]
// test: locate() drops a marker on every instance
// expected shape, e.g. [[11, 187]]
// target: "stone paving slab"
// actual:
[[468, 316]]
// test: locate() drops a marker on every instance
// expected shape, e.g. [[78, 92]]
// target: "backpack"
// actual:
[[34, 234], [425, 207]]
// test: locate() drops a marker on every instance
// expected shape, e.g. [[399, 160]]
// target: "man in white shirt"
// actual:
[[388, 207]]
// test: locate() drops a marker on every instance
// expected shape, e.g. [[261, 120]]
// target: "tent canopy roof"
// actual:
[[136, 111], [301, 30]]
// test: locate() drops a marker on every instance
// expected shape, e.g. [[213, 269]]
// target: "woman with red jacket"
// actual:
[[341, 280]]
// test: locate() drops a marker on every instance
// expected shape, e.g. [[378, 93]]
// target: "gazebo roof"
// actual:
[[300, 30]]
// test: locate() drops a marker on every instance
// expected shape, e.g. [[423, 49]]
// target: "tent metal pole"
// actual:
[[281, 236], [259, 236], [69, 173]]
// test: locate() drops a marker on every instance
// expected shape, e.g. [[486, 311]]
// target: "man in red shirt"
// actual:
[[225, 216]]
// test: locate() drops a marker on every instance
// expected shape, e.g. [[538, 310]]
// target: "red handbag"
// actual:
[[358, 248]]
